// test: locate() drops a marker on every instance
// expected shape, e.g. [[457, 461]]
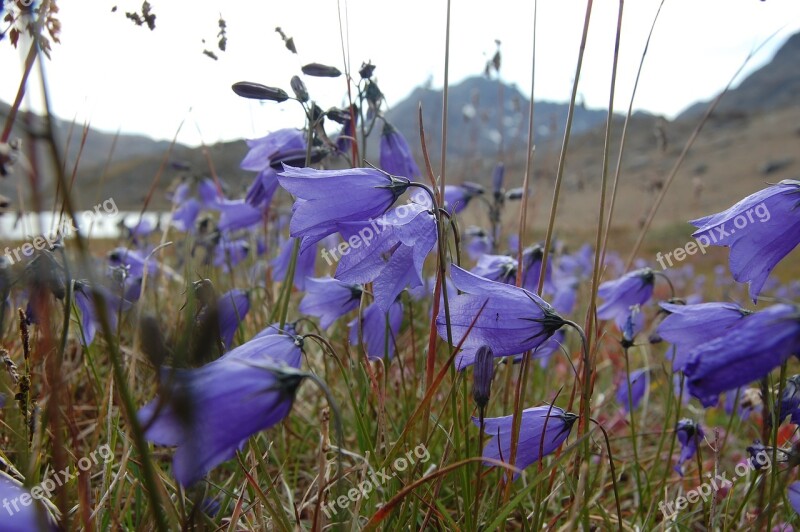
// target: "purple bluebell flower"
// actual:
[[482, 376], [540, 424], [306, 260], [760, 230], [390, 253], [261, 158], [262, 188], [209, 194], [375, 324], [689, 435], [566, 295], [758, 451], [18, 516], [457, 197], [329, 299], [745, 353], [688, 326], [630, 324], [232, 308], [229, 253], [326, 198], [208, 413], [238, 214], [396, 157], [478, 242], [139, 229], [633, 395], [344, 140], [513, 321], [633, 288], [185, 215], [790, 399], [89, 314], [132, 261], [793, 493], [499, 268], [532, 265]]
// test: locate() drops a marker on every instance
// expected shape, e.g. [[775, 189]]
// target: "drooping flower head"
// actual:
[[542, 428], [208, 413], [628, 397], [478, 242], [688, 326], [532, 265], [513, 321], [396, 157], [232, 308], [689, 435], [326, 198], [760, 230], [499, 268], [91, 319], [261, 158], [633, 288], [743, 354], [380, 330], [329, 299], [457, 197]]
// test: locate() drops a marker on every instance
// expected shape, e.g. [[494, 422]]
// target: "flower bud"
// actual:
[[321, 71], [257, 91], [299, 89], [482, 376]]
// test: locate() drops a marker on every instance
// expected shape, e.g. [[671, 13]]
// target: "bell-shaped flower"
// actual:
[[232, 307], [542, 429], [329, 299], [396, 157], [379, 329], [745, 353], [513, 319], [208, 413], [326, 198], [689, 435], [633, 288], [760, 230], [688, 326], [631, 396]]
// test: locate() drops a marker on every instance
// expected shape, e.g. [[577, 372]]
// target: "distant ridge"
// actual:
[[773, 86]]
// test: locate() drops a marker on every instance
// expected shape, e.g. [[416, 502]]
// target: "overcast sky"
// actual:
[[119, 76]]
